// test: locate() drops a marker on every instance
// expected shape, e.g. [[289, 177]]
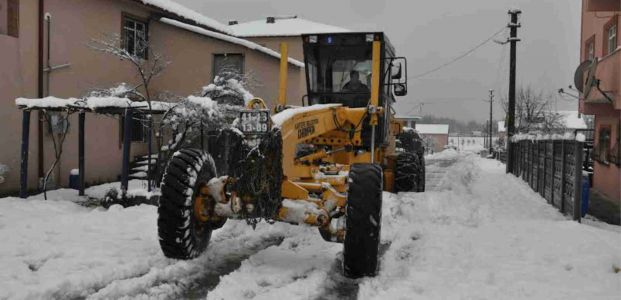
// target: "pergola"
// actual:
[[97, 105]]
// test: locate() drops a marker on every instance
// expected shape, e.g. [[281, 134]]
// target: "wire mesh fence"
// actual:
[[552, 168]]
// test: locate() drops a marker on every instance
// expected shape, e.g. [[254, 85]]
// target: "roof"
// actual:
[[572, 119], [432, 128], [230, 39], [501, 126], [187, 14], [282, 26], [402, 117]]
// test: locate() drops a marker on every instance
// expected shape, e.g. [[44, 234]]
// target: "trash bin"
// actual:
[[74, 179], [586, 187]]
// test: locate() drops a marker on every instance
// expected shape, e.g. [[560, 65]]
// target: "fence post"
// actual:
[[553, 164], [23, 176], [563, 177], [578, 180], [81, 149], [127, 141]]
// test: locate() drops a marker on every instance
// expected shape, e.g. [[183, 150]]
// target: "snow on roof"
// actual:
[[291, 26], [92, 103], [230, 39], [403, 117], [501, 126], [432, 128], [572, 120], [279, 118], [186, 13]]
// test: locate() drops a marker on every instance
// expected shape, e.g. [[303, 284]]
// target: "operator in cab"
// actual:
[[359, 90], [355, 85]]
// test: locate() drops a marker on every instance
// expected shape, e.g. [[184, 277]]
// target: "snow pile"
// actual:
[[490, 237], [279, 118], [228, 88], [229, 39]]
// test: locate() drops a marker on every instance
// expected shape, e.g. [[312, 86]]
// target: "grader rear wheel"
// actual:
[[184, 231], [364, 219], [407, 173]]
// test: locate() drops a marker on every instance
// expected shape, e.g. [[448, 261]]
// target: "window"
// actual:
[[9, 17], [602, 151], [589, 49], [138, 130], [610, 36], [134, 38], [229, 62]]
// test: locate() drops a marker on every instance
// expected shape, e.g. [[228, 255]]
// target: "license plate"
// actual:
[[255, 121]]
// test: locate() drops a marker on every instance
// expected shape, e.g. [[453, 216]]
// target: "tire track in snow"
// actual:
[[172, 279]]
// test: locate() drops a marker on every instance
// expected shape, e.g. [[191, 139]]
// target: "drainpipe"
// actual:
[[40, 89]]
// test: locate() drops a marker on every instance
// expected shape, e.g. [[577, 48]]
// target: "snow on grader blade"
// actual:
[[325, 164]]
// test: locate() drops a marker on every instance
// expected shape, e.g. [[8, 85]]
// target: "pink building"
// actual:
[[600, 42], [436, 136], [193, 43]]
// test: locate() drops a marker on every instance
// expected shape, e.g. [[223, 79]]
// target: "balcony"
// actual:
[[608, 72], [603, 5]]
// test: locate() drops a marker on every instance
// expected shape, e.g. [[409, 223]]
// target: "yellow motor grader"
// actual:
[[325, 164]]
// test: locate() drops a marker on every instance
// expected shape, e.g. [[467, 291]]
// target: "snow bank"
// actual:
[[230, 39], [489, 237]]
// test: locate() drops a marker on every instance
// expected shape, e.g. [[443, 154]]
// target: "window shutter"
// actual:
[[13, 18]]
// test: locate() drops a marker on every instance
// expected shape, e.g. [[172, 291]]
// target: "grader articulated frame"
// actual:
[[325, 164]]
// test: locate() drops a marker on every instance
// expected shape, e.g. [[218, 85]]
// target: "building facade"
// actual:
[[600, 43], [193, 45], [435, 136]]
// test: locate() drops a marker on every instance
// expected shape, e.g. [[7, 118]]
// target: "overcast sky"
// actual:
[[431, 33]]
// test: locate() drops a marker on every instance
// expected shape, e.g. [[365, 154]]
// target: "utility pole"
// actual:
[[491, 101], [513, 39]]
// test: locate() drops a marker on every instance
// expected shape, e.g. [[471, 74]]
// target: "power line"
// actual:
[[461, 56]]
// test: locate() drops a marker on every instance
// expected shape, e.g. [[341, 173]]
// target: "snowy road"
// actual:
[[476, 234]]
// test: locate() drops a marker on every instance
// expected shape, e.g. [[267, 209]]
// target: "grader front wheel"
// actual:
[[363, 218], [183, 231]]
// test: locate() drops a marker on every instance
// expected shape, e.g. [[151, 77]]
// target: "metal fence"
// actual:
[[553, 168]]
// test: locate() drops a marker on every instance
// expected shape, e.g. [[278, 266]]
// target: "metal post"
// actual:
[[372, 144], [127, 141], [149, 151], [491, 103], [23, 180], [578, 181], [513, 25], [81, 166], [563, 177]]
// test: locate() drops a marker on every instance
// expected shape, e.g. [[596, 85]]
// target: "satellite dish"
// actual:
[[579, 75], [590, 81]]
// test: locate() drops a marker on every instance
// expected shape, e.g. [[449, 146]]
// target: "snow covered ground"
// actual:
[[477, 234]]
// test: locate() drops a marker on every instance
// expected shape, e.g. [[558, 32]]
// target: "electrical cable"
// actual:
[[461, 56]]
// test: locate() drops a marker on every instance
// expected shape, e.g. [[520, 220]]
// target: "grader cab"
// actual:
[[325, 164]]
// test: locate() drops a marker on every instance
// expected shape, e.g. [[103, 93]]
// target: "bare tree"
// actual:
[[533, 111], [59, 127], [146, 69]]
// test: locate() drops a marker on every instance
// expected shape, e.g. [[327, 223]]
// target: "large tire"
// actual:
[[364, 219], [182, 235], [407, 173]]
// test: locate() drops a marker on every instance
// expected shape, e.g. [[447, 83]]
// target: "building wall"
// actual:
[[439, 140], [294, 44], [606, 177], [18, 77], [191, 54], [75, 23]]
